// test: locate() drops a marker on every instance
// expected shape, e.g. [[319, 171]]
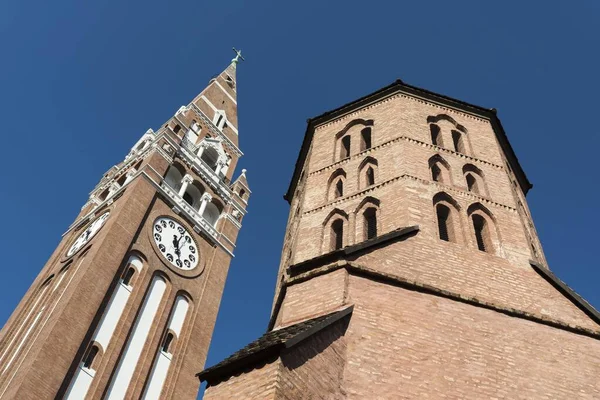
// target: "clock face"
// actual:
[[87, 234], [175, 243]]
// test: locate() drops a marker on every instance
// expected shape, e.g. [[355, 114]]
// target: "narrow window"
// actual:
[[435, 135], [370, 176], [445, 228], [194, 126], [220, 121], [436, 173], [128, 275], [88, 360], [337, 234], [366, 139], [370, 223], [242, 193], [345, 150], [481, 233], [177, 128], [188, 198], [458, 142], [472, 184], [167, 342], [339, 188]]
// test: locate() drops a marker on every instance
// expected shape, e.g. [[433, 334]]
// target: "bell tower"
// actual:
[[125, 306], [411, 268]]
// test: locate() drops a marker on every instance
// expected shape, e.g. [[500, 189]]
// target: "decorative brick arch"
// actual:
[[440, 170], [333, 218], [344, 135], [447, 218], [369, 207], [364, 175], [454, 137], [475, 180], [483, 228], [337, 178]]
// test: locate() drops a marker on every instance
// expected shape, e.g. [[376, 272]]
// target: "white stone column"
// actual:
[[220, 165], [130, 175], [200, 151], [187, 179], [206, 198], [113, 189]]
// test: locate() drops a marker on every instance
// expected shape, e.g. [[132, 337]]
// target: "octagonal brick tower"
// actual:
[[126, 305], [411, 268]]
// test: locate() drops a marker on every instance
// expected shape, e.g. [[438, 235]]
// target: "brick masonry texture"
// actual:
[[449, 320], [45, 365]]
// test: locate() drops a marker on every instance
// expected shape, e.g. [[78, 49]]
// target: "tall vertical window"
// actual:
[[339, 188], [445, 228], [482, 235], [436, 137], [370, 176], [365, 136], [128, 275], [472, 184], [166, 344], [337, 234], [89, 358], [370, 223], [457, 140], [345, 148], [436, 173], [177, 128]]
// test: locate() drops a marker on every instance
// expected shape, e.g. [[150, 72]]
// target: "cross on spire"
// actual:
[[238, 56]]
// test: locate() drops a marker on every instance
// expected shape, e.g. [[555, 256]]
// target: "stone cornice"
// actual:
[[364, 192], [363, 153], [396, 280]]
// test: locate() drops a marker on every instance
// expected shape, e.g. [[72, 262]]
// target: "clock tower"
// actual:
[[126, 305]]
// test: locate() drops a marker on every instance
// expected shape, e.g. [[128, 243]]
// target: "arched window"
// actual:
[[128, 275], [337, 234], [211, 213], [370, 223], [339, 188], [167, 341], [365, 136], [367, 171], [440, 170], [436, 137], [471, 183], [242, 193], [194, 126], [335, 185], [484, 228], [370, 176], [88, 360], [345, 147], [474, 180], [210, 156], [177, 128], [174, 176], [447, 218], [457, 140], [482, 234]]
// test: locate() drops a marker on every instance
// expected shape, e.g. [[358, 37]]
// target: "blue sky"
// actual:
[[80, 82]]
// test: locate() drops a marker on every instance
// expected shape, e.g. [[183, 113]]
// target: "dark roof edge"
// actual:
[[218, 374], [318, 327], [569, 293], [349, 250], [388, 90]]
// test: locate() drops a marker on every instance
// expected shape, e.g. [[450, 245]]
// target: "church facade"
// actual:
[[126, 305], [411, 268]]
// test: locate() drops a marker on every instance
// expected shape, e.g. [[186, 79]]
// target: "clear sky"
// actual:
[[80, 82]]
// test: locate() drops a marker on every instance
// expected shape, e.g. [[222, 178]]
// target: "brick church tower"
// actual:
[[126, 305], [411, 268]]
